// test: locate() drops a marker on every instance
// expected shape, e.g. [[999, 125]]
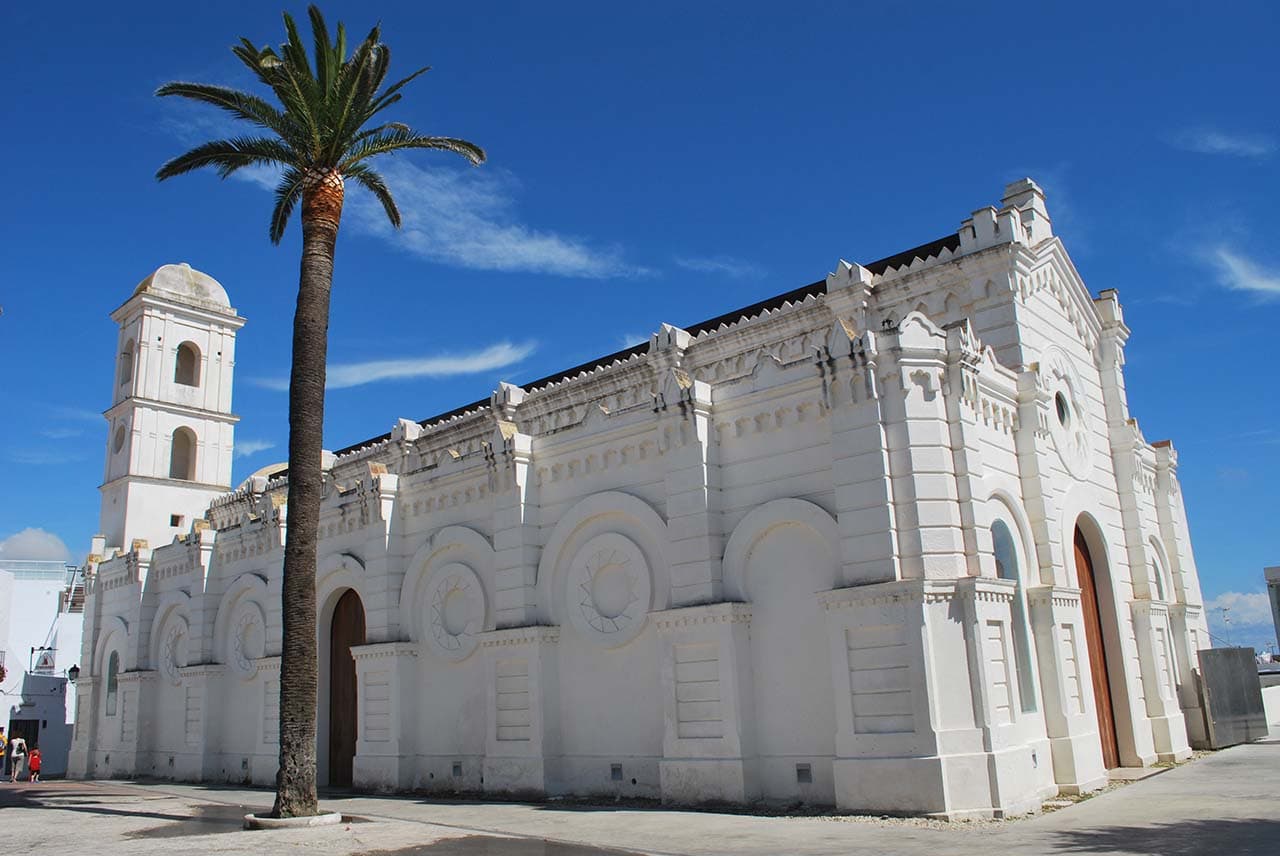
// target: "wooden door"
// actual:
[[1097, 654], [346, 630]]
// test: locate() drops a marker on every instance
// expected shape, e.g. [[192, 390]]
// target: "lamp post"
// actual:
[[73, 674]]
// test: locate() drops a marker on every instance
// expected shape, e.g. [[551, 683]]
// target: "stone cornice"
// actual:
[[711, 613], [1188, 610], [537, 634], [900, 591], [267, 664], [203, 670], [380, 650], [135, 401], [1150, 608], [1064, 596], [137, 676], [986, 589]]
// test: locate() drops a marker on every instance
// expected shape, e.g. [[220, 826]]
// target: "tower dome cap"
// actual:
[[184, 283]]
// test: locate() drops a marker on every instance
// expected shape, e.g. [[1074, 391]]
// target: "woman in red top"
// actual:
[[33, 763]]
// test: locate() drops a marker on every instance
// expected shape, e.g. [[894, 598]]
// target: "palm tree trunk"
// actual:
[[296, 780]]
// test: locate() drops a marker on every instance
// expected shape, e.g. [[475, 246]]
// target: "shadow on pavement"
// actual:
[[1235, 837], [489, 845]]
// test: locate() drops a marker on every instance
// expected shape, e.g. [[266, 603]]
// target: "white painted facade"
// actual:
[[40, 639], [172, 381], [817, 550]]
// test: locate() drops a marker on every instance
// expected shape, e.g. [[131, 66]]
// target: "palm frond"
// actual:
[[389, 95], [398, 139], [288, 192], [326, 63], [348, 96], [227, 156], [242, 105], [321, 115], [374, 183]]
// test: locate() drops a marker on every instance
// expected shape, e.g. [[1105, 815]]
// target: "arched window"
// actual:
[[113, 670], [126, 363], [1003, 546], [187, 369], [182, 455], [1157, 576]]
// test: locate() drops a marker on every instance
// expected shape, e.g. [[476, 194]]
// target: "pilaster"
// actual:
[[687, 439], [522, 736], [1160, 679], [921, 458], [516, 541], [202, 716], [865, 514], [1057, 624], [136, 705], [708, 745], [84, 735], [385, 746], [1187, 623]]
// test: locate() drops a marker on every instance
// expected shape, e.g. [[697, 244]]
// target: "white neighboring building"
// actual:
[[41, 619], [890, 541]]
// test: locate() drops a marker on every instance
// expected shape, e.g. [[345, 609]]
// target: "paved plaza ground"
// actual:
[[1222, 804]]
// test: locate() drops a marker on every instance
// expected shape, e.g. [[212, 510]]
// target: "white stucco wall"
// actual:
[[753, 560]]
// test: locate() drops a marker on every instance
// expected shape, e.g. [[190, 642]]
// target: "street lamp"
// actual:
[[73, 673]]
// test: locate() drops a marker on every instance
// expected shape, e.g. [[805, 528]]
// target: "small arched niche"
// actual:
[[186, 370], [182, 455], [1008, 568], [113, 673], [126, 363]]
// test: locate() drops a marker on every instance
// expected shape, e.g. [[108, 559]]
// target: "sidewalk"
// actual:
[[1223, 803]]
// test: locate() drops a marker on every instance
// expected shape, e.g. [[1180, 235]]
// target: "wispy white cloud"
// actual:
[[62, 432], [1242, 607], [1210, 141], [39, 457], [33, 543], [1241, 618], [79, 414], [245, 448], [452, 215], [466, 217], [344, 375], [627, 340], [1240, 273], [723, 265]]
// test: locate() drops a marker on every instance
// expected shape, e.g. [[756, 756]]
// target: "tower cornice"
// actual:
[[135, 401]]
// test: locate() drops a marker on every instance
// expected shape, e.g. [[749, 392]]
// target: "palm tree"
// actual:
[[318, 137]]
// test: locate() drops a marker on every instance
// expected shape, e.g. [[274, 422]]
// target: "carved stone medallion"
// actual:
[[247, 640], [608, 589], [1068, 411], [173, 650], [455, 605]]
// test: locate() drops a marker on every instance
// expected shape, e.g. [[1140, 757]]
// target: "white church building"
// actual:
[[891, 541]]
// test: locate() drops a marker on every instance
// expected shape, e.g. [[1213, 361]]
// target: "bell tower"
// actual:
[[170, 426]]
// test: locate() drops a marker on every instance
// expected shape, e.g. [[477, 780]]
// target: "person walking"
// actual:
[[4, 750], [33, 763], [17, 755]]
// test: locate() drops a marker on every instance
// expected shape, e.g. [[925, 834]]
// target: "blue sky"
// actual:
[[654, 162]]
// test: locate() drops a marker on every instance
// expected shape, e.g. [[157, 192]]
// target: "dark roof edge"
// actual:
[[924, 251]]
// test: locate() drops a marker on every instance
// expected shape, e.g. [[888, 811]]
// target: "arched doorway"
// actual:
[[345, 630], [1097, 652]]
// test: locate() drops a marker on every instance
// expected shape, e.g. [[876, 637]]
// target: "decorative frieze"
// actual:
[[695, 616], [512, 636]]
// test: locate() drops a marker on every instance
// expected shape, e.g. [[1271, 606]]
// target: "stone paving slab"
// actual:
[[1224, 803]]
